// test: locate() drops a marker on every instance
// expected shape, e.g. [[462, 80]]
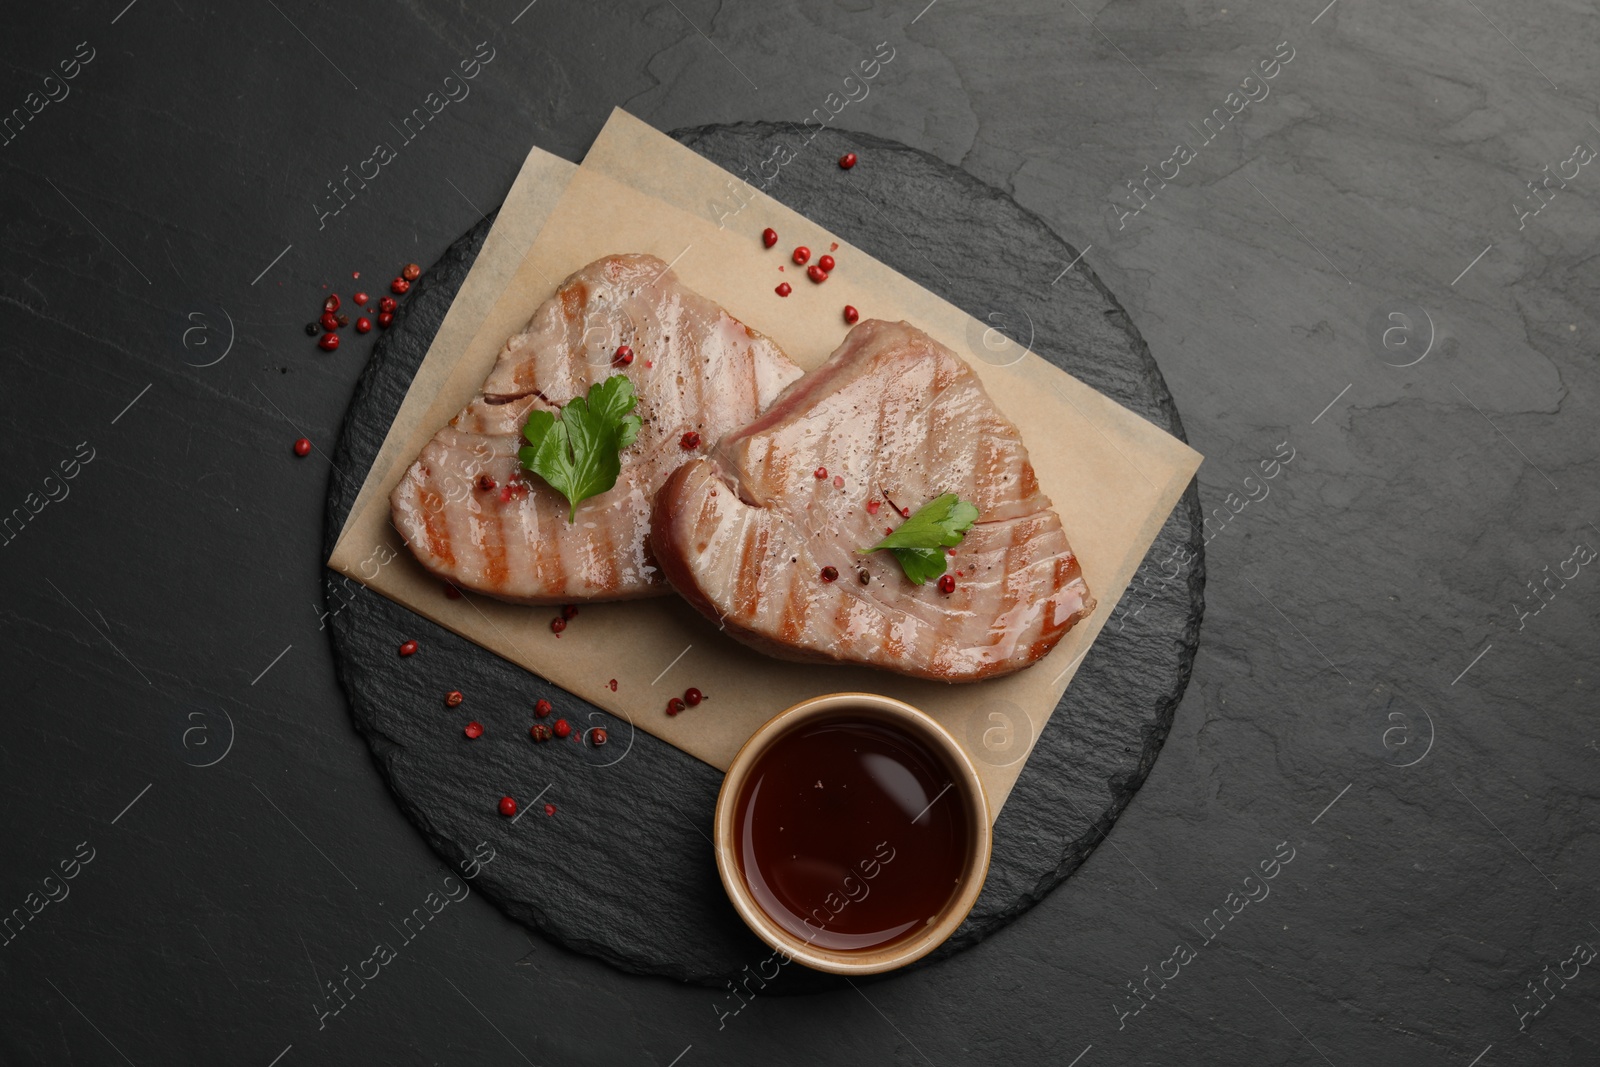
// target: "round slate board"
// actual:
[[624, 870]]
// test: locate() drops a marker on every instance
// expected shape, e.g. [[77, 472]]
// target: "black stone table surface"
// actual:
[[1359, 235]]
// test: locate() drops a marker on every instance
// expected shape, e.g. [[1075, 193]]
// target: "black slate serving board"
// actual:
[[624, 870]]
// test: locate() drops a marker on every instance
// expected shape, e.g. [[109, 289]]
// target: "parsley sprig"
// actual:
[[579, 453], [919, 543]]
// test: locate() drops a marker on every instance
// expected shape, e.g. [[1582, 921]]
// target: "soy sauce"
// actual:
[[850, 833]]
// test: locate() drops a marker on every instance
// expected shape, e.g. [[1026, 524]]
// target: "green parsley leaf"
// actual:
[[578, 453], [920, 541], [921, 564]]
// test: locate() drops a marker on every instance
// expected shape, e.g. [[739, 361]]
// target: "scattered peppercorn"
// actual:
[[508, 806], [549, 810], [451, 592], [343, 321], [473, 730], [838, 481], [569, 611], [947, 584], [597, 736], [769, 237], [332, 303], [851, 314], [539, 732], [361, 299], [800, 255], [408, 648], [873, 506], [689, 441], [816, 274], [329, 342], [399, 287], [411, 273], [783, 289], [623, 357], [302, 447], [826, 263], [487, 483], [674, 706], [693, 697], [385, 318], [863, 577], [387, 304], [329, 321], [562, 728], [541, 708], [847, 161], [453, 698], [829, 573], [820, 473], [363, 324], [557, 625], [313, 328]]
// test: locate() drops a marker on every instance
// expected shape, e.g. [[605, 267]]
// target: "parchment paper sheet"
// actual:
[[1112, 476]]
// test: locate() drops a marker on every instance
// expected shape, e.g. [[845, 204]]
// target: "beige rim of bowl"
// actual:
[[967, 786]]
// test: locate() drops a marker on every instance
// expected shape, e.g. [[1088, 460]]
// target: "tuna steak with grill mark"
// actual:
[[475, 518], [746, 533]]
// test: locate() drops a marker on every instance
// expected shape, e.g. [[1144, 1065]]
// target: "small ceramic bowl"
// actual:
[[967, 791]]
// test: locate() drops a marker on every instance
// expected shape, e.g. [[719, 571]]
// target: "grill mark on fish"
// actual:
[[431, 506], [748, 596], [494, 549], [573, 297], [792, 619]]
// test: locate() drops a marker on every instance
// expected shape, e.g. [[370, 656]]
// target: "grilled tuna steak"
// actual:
[[475, 518], [748, 534]]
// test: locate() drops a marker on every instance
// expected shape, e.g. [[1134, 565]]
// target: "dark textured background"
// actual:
[[1364, 614]]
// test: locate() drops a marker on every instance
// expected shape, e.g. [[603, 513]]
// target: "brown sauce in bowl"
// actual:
[[850, 833]]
